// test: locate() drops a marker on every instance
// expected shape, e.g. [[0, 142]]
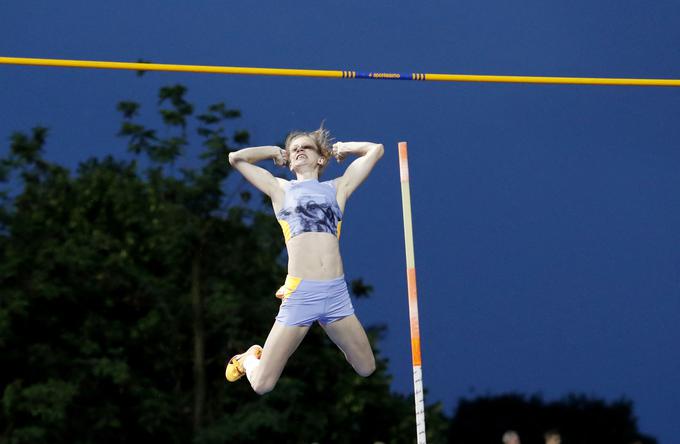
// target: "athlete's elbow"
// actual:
[[379, 150], [233, 159], [376, 151]]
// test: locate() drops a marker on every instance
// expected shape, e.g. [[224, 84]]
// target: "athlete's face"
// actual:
[[302, 152]]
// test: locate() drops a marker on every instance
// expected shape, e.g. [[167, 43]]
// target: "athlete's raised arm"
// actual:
[[369, 153], [244, 160]]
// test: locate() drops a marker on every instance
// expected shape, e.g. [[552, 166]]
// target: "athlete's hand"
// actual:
[[340, 151], [281, 157]]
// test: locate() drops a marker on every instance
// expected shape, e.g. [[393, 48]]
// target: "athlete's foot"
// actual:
[[235, 370]]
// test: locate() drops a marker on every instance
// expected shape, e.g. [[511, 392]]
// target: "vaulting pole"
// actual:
[[412, 294], [141, 66]]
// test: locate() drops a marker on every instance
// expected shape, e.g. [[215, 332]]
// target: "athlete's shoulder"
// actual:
[[333, 183]]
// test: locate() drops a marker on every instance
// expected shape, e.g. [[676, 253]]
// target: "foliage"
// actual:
[[126, 285], [579, 420]]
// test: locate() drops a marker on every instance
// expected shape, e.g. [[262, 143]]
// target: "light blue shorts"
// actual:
[[305, 301]]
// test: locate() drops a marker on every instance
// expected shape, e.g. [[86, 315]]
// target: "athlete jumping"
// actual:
[[310, 214]]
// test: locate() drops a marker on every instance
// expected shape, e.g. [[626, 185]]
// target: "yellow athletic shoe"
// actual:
[[235, 370]]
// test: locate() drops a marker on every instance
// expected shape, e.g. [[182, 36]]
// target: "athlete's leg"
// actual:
[[282, 341], [348, 334]]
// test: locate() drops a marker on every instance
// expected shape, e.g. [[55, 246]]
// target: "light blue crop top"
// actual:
[[310, 206]]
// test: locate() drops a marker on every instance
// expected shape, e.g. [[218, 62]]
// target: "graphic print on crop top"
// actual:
[[310, 206]]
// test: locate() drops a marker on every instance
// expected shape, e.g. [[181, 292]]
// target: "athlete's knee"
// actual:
[[366, 367], [263, 386]]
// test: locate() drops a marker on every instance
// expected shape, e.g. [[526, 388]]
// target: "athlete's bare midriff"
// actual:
[[314, 256]]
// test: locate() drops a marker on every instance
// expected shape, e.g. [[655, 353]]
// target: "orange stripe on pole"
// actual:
[[415, 350], [403, 162], [413, 315]]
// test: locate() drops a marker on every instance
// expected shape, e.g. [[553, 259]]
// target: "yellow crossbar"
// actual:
[[141, 66]]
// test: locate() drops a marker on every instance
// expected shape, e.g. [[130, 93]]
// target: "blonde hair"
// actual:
[[322, 141]]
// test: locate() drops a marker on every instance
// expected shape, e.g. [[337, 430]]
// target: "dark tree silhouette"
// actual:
[[579, 420], [126, 285]]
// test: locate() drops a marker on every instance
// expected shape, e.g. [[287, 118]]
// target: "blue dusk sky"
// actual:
[[546, 218]]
